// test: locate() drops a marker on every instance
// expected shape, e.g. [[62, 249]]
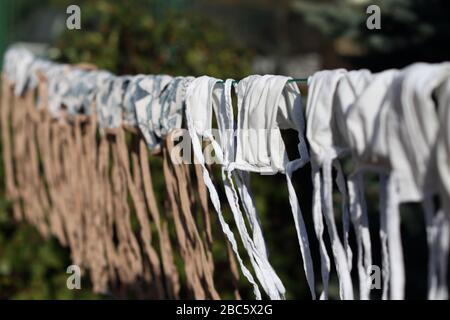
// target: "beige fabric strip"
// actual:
[[199, 251], [6, 118], [170, 273]]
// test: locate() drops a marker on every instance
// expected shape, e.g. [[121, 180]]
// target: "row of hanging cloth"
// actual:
[[393, 123]]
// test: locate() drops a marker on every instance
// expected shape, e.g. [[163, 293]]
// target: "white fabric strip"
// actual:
[[394, 239], [413, 127], [242, 179], [342, 187], [267, 104], [360, 220], [383, 236], [442, 160], [350, 86], [224, 114], [198, 118], [319, 112], [325, 265], [367, 135]]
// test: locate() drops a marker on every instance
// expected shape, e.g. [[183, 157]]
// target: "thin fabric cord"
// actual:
[[194, 249], [49, 164], [6, 117], [38, 198], [172, 282], [6, 121], [137, 260]]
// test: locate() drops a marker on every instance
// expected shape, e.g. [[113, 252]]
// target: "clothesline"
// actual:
[[299, 79], [290, 80]]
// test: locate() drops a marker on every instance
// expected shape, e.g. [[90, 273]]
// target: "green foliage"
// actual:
[[411, 30], [32, 267], [130, 37]]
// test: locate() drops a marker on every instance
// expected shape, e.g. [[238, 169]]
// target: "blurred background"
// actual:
[[223, 38]]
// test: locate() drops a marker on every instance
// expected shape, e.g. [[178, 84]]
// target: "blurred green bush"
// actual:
[[130, 37]]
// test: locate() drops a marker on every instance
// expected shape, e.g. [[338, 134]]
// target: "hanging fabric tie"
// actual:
[[198, 118], [442, 163], [365, 124], [350, 86], [319, 112], [260, 147], [222, 106], [414, 124]]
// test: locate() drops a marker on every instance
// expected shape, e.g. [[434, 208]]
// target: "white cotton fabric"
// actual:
[[18, 62], [413, 123], [69, 98], [199, 108], [366, 125], [148, 106], [350, 86], [368, 136], [172, 106], [267, 104], [442, 163], [156, 103], [38, 65], [130, 97], [87, 90], [58, 87], [442, 157], [254, 245], [219, 100], [109, 100], [80, 91], [319, 115]]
